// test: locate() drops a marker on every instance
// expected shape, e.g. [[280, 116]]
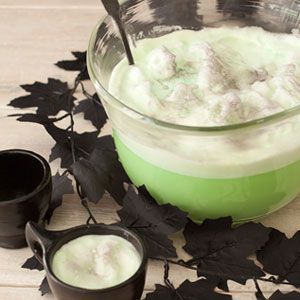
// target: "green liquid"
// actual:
[[243, 198]]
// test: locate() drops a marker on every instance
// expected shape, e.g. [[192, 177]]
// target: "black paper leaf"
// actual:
[[86, 141], [91, 177], [61, 185], [101, 172], [32, 264], [44, 287], [290, 296], [158, 245], [162, 293], [281, 256], [49, 98], [117, 179], [141, 210], [198, 290], [118, 175], [155, 222], [58, 134], [224, 268], [221, 251], [62, 151], [84, 144], [93, 111], [201, 289], [78, 64]]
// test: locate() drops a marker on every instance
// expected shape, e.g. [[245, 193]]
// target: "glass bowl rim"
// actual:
[[145, 118]]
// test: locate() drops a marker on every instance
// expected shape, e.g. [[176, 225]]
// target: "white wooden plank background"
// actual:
[[33, 35]]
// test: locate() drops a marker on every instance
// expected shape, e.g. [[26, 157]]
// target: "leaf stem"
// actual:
[[84, 202], [180, 263], [167, 281], [275, 281], [54, 120], [88, 95], [259, 294], [72, 138]]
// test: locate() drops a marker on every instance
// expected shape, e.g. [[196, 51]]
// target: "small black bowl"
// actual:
[[45, 243], [25, 194]]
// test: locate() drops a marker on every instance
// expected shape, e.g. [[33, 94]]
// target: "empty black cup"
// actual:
[[25, 193], [45, 243]]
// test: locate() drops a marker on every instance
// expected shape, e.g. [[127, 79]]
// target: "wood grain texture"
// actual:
[[40, 4], [33, 35]]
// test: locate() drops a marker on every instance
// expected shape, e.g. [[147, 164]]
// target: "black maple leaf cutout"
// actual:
[[92, 174], [101, 172], [162, 292], [290, 296], [84, 144], [58, 134], [220, 251], [44, 287], [93, 111], [118, 176], [205, 288], [61, 185], [281, 256], [201, 289], [62, 151], [154, 222], [77, 64], [49, 98], [33, 264]]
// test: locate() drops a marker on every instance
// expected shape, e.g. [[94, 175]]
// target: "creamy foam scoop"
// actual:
[[96, 261], [212, 77]]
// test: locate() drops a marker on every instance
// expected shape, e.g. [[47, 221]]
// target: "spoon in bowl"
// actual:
[[113, 9]]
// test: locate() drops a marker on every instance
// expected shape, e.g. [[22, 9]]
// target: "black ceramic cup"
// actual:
[[25, 193], [45, 243]]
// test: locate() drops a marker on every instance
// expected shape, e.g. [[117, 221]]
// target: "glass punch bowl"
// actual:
[[244, 170]]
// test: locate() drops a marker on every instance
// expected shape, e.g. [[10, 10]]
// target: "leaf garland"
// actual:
[[219, 251]]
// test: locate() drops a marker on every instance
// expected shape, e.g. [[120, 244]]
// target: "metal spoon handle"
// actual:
[[113, 9]]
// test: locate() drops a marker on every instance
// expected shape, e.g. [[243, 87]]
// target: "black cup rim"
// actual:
[[44, 181], [139, 272]]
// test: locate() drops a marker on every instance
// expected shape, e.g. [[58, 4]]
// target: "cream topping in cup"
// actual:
[[96, 261], [212, 77]]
